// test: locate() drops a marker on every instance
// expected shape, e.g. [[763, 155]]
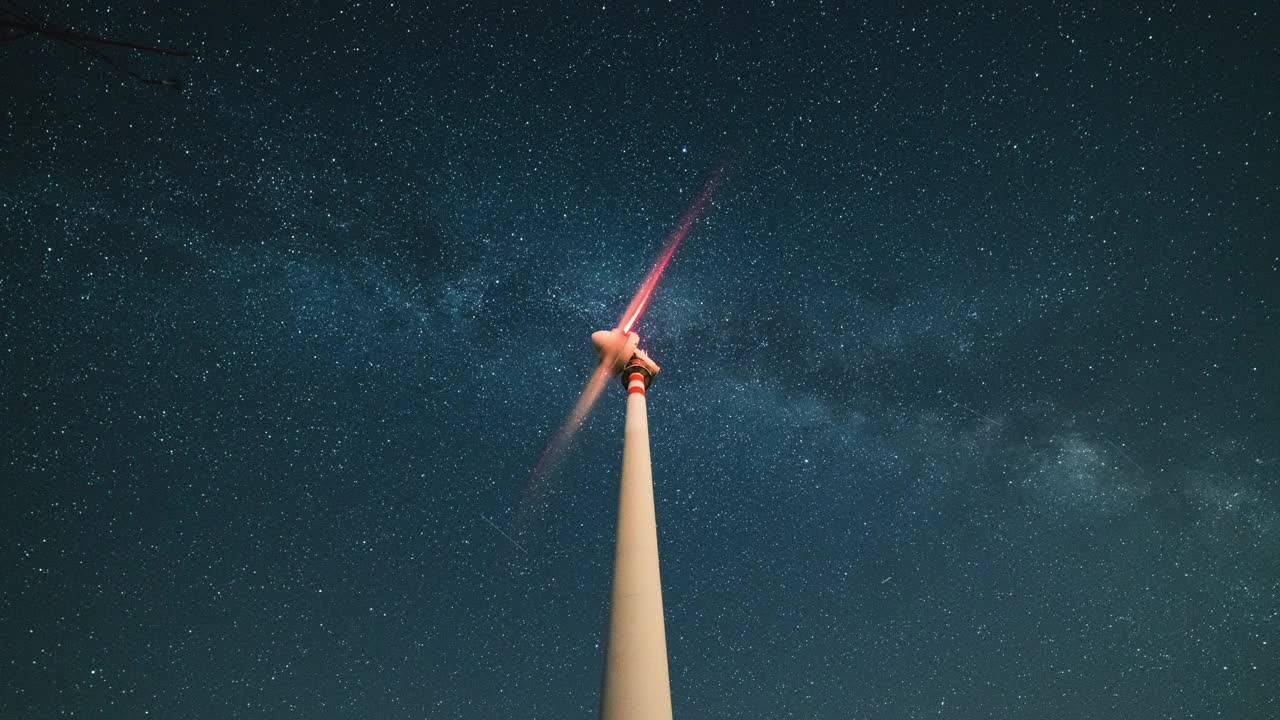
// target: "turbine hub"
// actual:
[[621, 350]]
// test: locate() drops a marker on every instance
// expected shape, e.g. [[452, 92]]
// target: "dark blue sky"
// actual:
[[969, 389]]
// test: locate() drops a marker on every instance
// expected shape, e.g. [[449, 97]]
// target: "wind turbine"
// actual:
[[636, 681], [636, 678]]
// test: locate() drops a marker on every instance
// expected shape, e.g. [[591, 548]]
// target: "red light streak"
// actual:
[[687, 221]]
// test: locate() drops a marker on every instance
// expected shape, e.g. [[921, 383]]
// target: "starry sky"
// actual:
[[969, 395]]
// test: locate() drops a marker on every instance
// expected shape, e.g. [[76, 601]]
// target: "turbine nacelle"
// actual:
[[622, 350]]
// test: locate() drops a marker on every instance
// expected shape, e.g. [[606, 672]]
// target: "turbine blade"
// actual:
[[554, 451], [686, 223]]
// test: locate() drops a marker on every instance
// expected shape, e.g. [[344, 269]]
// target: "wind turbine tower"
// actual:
[[636, 681]]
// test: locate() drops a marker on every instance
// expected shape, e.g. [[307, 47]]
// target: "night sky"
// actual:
[[969, 401]]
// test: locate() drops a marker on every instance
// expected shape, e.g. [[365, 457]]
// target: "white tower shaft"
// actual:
[[636, 681]]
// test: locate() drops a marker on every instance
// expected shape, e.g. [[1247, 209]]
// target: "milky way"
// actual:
[[968, 401]]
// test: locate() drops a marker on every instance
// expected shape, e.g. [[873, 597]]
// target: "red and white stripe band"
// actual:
[[635, 384]]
